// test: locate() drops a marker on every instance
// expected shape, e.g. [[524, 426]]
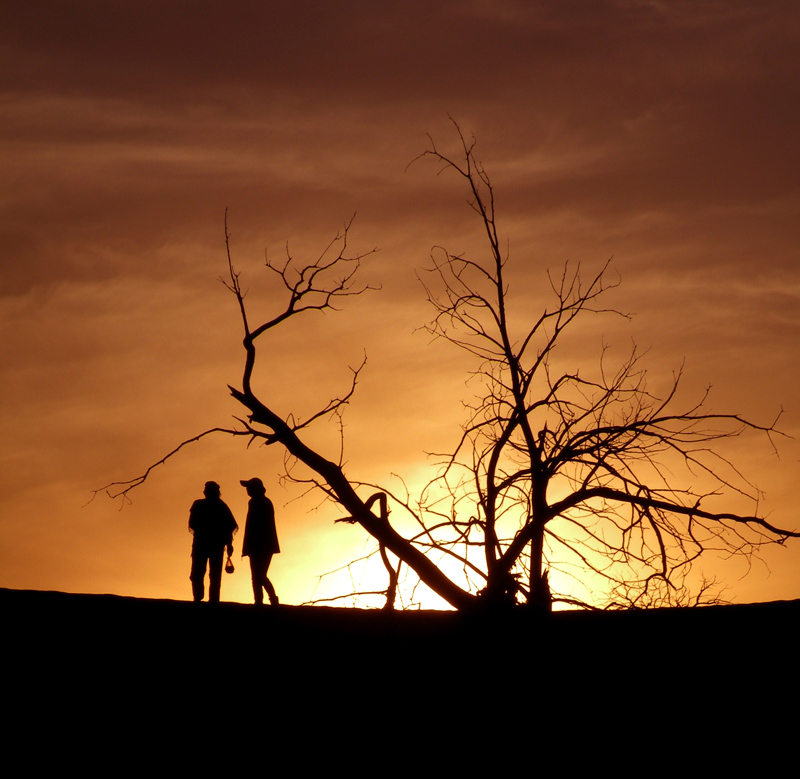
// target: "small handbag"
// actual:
[[229, 565]]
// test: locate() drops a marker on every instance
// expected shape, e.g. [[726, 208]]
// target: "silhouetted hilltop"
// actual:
[[168, 639], [101, 628], [105, 666], [105, 614]]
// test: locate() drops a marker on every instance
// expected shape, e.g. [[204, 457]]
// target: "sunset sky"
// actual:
[[662, 134]]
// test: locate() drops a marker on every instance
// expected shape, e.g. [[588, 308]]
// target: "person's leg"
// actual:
[[214, 576], [197, 575], [273, 598], [257, 575]]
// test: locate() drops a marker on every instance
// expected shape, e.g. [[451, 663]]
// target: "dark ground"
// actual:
[[130, 678]]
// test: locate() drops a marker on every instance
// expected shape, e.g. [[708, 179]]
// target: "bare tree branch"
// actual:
[[558, 474], [120, 489]]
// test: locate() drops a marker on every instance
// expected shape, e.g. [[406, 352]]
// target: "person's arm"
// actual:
[[233, 528]]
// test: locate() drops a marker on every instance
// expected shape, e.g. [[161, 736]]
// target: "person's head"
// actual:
[[211, 490], [253, 486]]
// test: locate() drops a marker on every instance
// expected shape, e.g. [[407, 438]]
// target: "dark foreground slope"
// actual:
[[100, 669]]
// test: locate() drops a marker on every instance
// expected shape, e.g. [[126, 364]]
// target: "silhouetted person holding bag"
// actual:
[[260, 539], [213, 526]]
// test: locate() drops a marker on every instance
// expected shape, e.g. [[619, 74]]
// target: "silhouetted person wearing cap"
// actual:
[[260, 539], [213, 526]]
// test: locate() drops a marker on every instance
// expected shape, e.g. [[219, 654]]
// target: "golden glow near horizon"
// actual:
[[124, 144]]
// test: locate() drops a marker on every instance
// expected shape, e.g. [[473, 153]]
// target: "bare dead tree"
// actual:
[[553, 468], [557, 469]]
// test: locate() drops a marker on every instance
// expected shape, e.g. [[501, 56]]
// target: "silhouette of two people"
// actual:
[[260, 539], [213, 526]]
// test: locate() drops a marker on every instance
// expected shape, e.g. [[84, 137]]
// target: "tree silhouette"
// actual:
[[567, 469], [555, 470]]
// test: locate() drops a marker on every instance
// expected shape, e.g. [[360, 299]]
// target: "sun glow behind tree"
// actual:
[[121, 153], [637, 469]]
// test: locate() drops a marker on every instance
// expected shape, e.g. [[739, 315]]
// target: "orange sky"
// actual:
[[662, 133]]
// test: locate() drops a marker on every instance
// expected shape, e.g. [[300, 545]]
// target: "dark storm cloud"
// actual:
[[312, 47], [338, 50], [161, 112]]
